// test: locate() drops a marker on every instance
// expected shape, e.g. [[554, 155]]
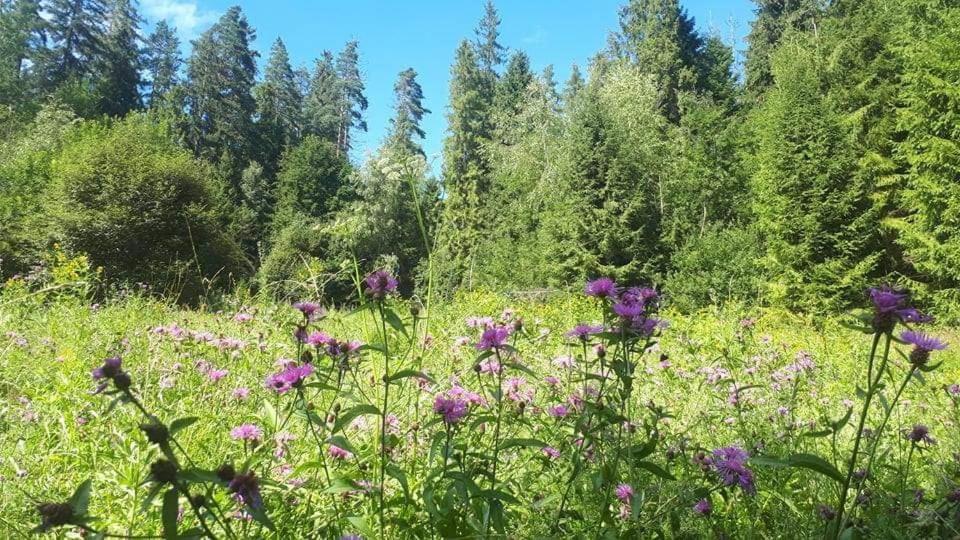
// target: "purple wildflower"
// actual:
[[601, 288], [493, 338], [339, 453], [703, 507], [583, 331], [919, 434], [730, 464], [247, 432], [318, 339], [451, 408], [923, 345], [246, 489], [241, 393], [550, 452], [624, 492], [311, 310], [890, 306], [380, 283], [291, 377], [558, 411], [628, 310], [826, 513], [216, 374]]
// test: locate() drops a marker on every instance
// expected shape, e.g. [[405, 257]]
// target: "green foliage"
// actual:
[[313, 182], [816, 218], [719, 266], [140, 207], [299, 264], [929, 219]]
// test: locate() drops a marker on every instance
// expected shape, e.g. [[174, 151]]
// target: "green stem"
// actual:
[[383, 417]]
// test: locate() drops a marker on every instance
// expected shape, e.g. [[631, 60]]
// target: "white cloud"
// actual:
[[184, 15]]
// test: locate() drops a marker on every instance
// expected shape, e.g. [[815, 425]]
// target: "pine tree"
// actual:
[[119, 82], [221, 108], [716, 78], [352, 101], [163, 61], [405, 126], [77, 33], [321, 107]]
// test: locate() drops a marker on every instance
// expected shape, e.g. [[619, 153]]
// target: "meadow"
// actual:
[[563, 416]]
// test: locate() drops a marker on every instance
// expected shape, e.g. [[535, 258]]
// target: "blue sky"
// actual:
[[423, 34]]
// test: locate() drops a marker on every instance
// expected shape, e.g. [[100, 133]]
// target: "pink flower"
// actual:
[[241, 393], [247, 432], [550, 452], [558, 411], [624, 492], [216, 374], [243, 317], [339, 453]]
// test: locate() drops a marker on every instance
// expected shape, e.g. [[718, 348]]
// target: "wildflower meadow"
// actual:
[[584, 415]]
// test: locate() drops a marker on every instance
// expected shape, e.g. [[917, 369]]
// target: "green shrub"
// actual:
[[719, 266], [140, 207], [298, 265]]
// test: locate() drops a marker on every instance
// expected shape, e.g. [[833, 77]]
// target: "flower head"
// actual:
[[247, 432], [493, 338], [923, 345], [624, 492], [311, 310], [919, 434], [291, 377], [584, 331], [601, 288], [339, 453], [246, 489], [451, 408], [703, 507], [380, 283], [550, 452], [891, 306], [730, 465]]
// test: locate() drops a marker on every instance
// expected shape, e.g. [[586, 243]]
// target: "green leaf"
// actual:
[[169, 513], [510, 443], [342, 442], [816, 464], [841, 423], [641, 451], [405, 373], [350, 414], [269, 415], [80, 501], [261, 517], [195, 475], [765, 461], [394, 321], [496, 494], [401, 477], [182, 423], [655, 469]]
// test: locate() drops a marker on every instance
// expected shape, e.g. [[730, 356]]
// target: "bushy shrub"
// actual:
[[719, 266], [298, 264], [140, 207]]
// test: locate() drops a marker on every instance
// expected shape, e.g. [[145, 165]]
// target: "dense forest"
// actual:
[[828, 161]]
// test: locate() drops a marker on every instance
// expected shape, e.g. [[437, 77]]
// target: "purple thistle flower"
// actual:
[[451, 408], [493, 338], [954, 390], [318, 339], [583, 331], [550, 452], [730, 464], [624, 492], [380, 283], [109, 369], [339, 453], [311, 310], [628, 310], [703, 507], [919, 433], [216, 374], [826, 513], [558, 411], [246, 489], [291, 377], [601, 288], [890, 306], [241, 393], [247, 432], [923, 345]]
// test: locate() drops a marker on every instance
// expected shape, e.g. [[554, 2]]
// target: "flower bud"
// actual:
[[163, 471], [226, 472], [156, 433]]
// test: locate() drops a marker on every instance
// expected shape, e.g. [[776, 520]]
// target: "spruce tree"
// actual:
[[464, 167], [321, 108], [118, 88], [573, 85], [77, 32], [221, 108], [22, 46], [513, 85], [352, 101], [490, 52], [772, 20], [281, 99], [163, 61], [405, 125]]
